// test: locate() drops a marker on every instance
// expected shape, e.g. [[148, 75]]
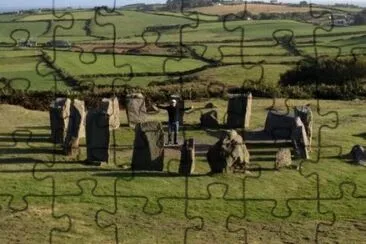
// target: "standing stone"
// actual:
[[97, 136], [279, 126], [288, 127], [306, 116], [283, 158], [300, 139], [148, 151], [111, 107], [229, 152], [135, 109], [76, 127], [59, 118], [239, 110], [187, 159], [209, 119]]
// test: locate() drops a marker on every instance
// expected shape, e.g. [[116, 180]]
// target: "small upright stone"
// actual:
[[111, 107], [283, 158], [135, 109], [59, 119], [187, 158], [229, 152], [148, 150], [97, 136], [209, 119], [75, 128], [239, 110]]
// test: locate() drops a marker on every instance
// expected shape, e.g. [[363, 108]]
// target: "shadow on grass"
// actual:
[[24, 137], [18, 151], [362, 135], [129, 173], [34, 128]]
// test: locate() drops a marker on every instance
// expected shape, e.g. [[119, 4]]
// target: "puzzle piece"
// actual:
[[128, 209], [215, 226], [80, 227], [302, 224], [20, 143], [37, 222], [345, 229]]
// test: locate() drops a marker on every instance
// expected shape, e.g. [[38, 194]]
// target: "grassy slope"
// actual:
[[104, 64], [18, 161], [21, 64]]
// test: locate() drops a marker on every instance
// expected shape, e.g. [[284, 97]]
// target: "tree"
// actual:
[[303, 3]]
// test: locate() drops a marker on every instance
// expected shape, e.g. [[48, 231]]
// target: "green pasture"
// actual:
[[134, 81], [237, 75], [188, 14], [9, 17], [21, 68], [27, 166], [76, 15], [20, 31], [104, 64], [256, 29], [124, 28]]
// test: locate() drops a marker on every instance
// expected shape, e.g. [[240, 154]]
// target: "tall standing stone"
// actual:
[[97, 136], [111, 107], [148, 151], [306, 116], [279, 126], [75, 128], [300, 139], [59, 119], [135, 109], [187, 159], [239, 110]]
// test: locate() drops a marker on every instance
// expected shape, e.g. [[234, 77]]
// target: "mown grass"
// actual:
[[123, 27], [20, 66], [21, 31], [104, 64], [76, 15], [134, 225]]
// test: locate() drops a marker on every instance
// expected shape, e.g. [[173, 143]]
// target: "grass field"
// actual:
[[48, 197], [259, 8], [20, 66], [105, 64], [20, 160]]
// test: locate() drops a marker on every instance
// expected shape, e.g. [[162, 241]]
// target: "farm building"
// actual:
[[58, 43], [342, 20], [27, 43]]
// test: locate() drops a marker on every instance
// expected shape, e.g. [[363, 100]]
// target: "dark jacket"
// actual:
[[173, 112]]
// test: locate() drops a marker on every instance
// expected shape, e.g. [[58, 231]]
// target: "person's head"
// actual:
[[173, 102]]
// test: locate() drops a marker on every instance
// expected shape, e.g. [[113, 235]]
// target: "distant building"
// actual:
[[27, 43], [274, 1], [58, 43], [342, 20]]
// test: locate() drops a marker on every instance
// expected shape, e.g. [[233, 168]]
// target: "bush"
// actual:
[[325, 71]]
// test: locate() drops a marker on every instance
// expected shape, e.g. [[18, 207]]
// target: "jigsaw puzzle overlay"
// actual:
[[183, 122]]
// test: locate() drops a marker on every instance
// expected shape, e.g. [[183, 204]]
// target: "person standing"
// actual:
[[173, 119]]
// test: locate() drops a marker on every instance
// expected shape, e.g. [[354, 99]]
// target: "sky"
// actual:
[[24, 4]]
